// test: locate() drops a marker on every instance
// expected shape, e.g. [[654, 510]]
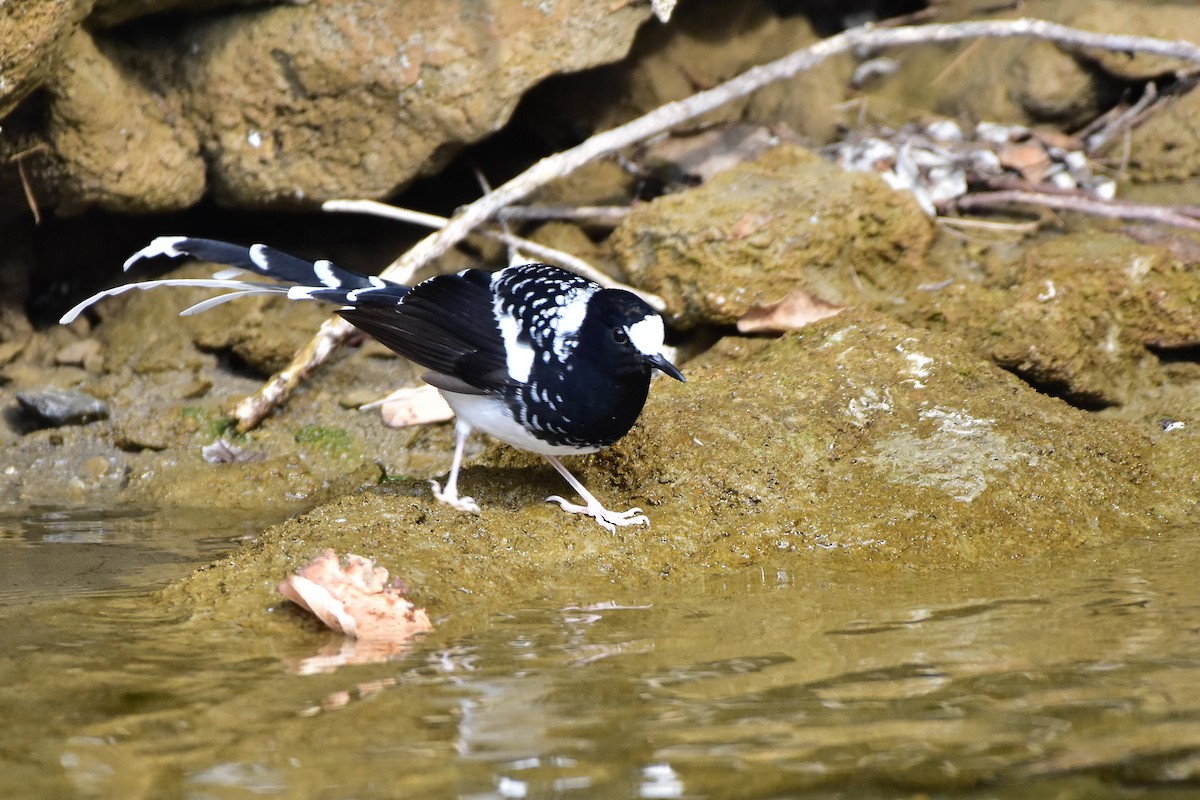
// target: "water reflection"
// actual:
[[52, 553], [1077, 678]]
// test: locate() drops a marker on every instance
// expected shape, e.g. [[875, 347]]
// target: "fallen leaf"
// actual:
[[355, 599], [1028, 158], [406, 407], [1055, 138], [797, 309]]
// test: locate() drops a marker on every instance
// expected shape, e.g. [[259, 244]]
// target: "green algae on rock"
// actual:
[[860, 437], [1078, 315], [866, 436], [787, 220]]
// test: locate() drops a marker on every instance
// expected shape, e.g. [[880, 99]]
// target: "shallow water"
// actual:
[[48, 553], [1073, 678]]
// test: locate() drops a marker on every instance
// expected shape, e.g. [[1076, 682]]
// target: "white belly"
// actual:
[[490, 415]]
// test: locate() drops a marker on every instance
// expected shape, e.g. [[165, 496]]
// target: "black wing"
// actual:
[[446, 324]]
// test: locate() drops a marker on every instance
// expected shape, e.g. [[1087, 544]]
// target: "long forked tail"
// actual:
[[320, 280]]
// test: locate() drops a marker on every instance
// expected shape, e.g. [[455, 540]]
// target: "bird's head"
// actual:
[[630, 331]]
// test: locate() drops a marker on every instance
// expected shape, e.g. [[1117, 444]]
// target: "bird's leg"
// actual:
[[449, 495], [607, 519]]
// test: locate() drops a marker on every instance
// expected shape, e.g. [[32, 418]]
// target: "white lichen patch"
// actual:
[[868, 404], [957, 422], [961, 456], [1140, 266], [917, 366], [838, 336]]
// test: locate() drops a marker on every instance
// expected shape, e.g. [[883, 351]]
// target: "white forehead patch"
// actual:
[[647, 334]]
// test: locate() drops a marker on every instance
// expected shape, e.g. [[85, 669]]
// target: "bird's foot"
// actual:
[[450, 497], [609, 520]]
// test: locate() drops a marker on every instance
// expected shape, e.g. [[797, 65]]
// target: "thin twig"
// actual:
[[1114, 209], [678, 112], [26, 186], [534, 249], [967, 53], [251, 410], [602, 215], [1096, 142]]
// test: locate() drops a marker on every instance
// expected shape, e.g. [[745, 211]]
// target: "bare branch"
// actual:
[[673, 114], [601, 215], [534, 249], [1115, 209]]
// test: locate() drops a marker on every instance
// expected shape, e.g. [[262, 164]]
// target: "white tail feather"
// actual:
[[240, 287], [162, 246], [212, 302]]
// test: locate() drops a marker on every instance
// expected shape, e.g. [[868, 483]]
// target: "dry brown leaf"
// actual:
[[1028, 158], [797, 309], [355, 599], [1055, 138]]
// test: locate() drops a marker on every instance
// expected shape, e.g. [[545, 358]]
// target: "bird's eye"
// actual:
[[620, 335]]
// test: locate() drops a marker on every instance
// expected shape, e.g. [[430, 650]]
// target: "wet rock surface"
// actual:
[[1110, 302], [860, 440], [53, 406]]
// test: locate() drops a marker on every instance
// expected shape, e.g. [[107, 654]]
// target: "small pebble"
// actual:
[[56, 406]]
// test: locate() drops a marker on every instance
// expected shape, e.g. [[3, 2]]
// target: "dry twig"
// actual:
[[534, 249], [26, 186], [1114, 209], [673, 114]]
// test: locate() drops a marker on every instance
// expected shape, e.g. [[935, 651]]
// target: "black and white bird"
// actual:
[[534, 355]]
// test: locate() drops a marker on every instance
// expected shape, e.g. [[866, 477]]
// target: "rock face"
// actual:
[[1107, 299], [113, 143], [1079, 315], [32, 33], [866, 435], [287, 105], [356, 99], [1167, 147], [706, 44]]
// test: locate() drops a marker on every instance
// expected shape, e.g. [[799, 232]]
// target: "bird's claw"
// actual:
[[609, 520], [451, 498]]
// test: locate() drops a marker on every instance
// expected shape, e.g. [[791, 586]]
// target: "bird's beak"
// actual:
[[660, 363]]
